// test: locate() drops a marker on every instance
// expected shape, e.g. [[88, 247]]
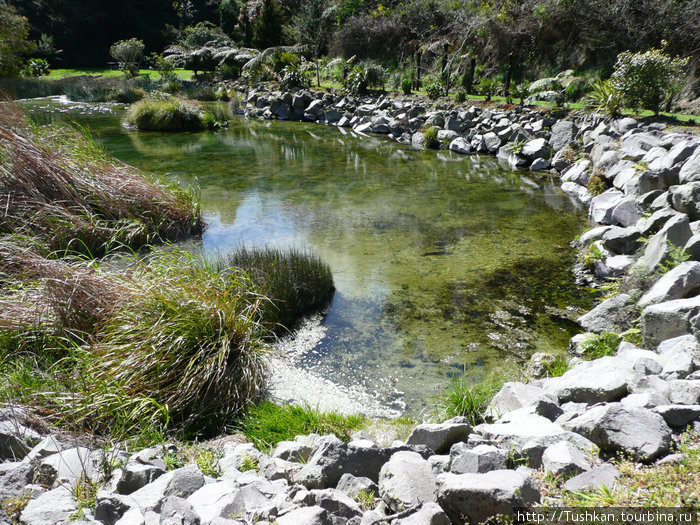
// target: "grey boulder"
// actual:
[[406, 480], [440, 436]]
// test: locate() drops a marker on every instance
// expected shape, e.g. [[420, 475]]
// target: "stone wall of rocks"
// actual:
[[633, 402]]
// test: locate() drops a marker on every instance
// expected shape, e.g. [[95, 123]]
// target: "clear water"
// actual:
[[444, 265]]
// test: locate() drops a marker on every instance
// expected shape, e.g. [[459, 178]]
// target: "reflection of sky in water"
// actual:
[[442, 263]]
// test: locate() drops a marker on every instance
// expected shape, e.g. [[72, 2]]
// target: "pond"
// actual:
[[444, 264]]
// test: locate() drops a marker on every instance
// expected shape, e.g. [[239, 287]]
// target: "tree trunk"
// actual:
[[470, 76], [509, 76], [318, 74], [445, 71], [417, 86]]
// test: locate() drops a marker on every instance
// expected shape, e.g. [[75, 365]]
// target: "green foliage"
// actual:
[[558, 367], [431, 140], [293, 77], [366, 499], [460, 96], [207, 461], [634, 336], [596, 183], [406, 85], [164, 66], [266, 423], [516, 146], [267, 26], [296, 283], [36, 67], [85, 495], [248, 463], [520, 91], [166, 114], [434, 89], [605, 98], [128, 54], [464, 398], [676, 255], [488, 87], [590, 255], [600, 345], [14, 40], [646, 80]]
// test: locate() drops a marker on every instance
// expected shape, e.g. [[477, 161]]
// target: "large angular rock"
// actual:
[[307, 516], [638, 432], [341, 507], [535, 149], [655, 221], [563, 133], [429, 514], [680, 282], [686, 199], [214, 500], [440, 436], [72, 464], [684, 391], [406, 480], [680, 152], [612, 315], [460, 145], [178, 511], [676, 231], [185, 481], [622, 240], [136, 476], [353, 485], [579, 172], [636, 146], [690, 172], [515, 395], [480, 459], [51, 507], [14, 476], [601, 476], [605, 379], [668, 320], [565, 459], [477, 497], [678, 416]]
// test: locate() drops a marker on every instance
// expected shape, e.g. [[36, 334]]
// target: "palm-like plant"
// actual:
[[605, 97]]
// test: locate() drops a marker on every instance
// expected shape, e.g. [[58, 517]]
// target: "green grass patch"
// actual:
[[267, 423], [61, 73], [599, 345], [168, 113]]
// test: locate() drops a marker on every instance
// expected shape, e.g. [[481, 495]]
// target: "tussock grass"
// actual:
[[298, 283], [167, 114], [266, 423], [57, 185]]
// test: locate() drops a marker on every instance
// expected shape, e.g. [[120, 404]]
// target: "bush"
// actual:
[[164, 66], [460, 96], [488, 87], [431, 140], [605, 98], [356, 81], [293, 77], [406, 86], [36, 67], [128, 54], [166, 114], [600, 345], [434, 90], [645, 80]]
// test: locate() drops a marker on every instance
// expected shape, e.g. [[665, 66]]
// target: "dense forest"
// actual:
[[542, 34]]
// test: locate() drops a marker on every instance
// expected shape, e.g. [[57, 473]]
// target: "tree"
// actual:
[[314, 23], [197, 45], [267, 27], [645, 80], [14, 41], [128, 54]]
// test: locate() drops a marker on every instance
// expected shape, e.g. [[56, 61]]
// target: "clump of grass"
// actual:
[[267, 423], [59, 186], [187, 336], [207, 461], [558, 367], [366, 499], [599, 345], [468, 399], [297, 283], [167, 114], [15, 505], [590, 255], [85, 495], [431, 140], [248, 463], [676, 256], [597, 184]]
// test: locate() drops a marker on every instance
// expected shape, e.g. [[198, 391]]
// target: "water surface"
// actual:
[[444, 265]]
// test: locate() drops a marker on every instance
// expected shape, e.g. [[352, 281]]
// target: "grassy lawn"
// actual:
[[57, 74]]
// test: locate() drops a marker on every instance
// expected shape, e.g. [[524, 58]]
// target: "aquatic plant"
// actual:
[[166, 113]]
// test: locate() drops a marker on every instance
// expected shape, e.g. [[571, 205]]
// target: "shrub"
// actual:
[[356, 81], [431, 140], [605, 98], [36, 67], [460, 96], [293, 77], [434, 90], [600, 345], [520, 91], [166, 114], [590, 255], [645, 80], [406, 85], [164, 66], [488, 87], [128, 54]]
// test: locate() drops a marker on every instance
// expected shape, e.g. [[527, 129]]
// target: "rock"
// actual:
[[514, 395], [51, 507], [110, 508], [478, 497], [605, 379], [565, 459], [668, 320], [578, 172], [353, 485], [644, 400], [535, 149], [614, 428], [440, 436], [528, 435], [619, 264], [306, 516], [593, 235], [14, 476], [539, 364], [680, 153], [622, 240], [480, 459], [655, 222], [563, 133], [613, 207], [136, 476], [178, 511], [676, 231], [406, 480], [678, 416], [336, 503], [45, 448], [677, 364], [539, 165], [492, 142], [430, 513], [214, 500], [686, 199], [690, 172], [445, 135], [460, 145], [692, 248], [185, 481], [74, 463], [418, 141], [624, 125], [635, 146], [680, 282], [601, 476], [579, 193], [684, 391], [612, 315], [561, 160]]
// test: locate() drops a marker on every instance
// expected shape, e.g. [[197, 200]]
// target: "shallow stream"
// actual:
[[444, 265]]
